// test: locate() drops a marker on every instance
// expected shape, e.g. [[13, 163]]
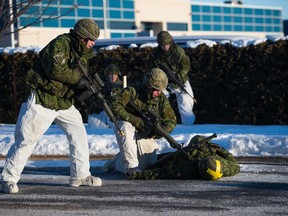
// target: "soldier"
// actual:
[[113, 85], [137, 150], [209, 162], [52, 80], [174, 57]]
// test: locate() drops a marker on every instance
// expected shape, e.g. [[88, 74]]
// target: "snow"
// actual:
[[237, 42], [240, 140]]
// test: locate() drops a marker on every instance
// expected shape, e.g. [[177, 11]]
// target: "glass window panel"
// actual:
[[129, 35], [258, 11], [248, 11], [24, 21], [206, 18], [67, 2], [98, 13], [114, 14], [195, 18], [83, 12], [100, 24], [248, 20], [237, 10], [268, 12], [217, 9], [196, 27], [97, 3], [83, 2], [67, 12], [238, 28], [227, 19], [268, 29], [227, 28], [129, 15], [276, 21], [268, 20], [217, 28], [50, 23], [115, 35], [276, 13], [50, 11], [206, 27], [248, 28], [259, 28], [277, 29], [68, 23], [121, 25], [227, 10], [217, 18], [128, 4], [206, 9], [195, 8], [258, 20], [177, 26], [114, 3], [33, 10], [237, 19]]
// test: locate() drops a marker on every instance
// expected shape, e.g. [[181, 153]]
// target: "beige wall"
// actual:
[[163, 11]]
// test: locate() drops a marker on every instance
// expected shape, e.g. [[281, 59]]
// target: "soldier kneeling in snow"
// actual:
[[208, 161]]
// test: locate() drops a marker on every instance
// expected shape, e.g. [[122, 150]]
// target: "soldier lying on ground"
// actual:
[[209, 161]]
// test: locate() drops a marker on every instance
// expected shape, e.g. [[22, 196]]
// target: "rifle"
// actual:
[[94, 86], [171, 76], [152, 122], [171, 155]]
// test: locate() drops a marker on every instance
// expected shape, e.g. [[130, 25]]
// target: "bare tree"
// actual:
[[35, 12]]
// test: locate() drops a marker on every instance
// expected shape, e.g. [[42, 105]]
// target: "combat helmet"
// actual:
[[210, 168], [112, 69], [156, 79], [87, 28], [164, 38]]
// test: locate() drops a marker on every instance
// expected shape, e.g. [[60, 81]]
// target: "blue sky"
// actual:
[[274, 3]]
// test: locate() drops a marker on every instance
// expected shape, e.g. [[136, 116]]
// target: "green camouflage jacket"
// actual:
[[180, 167], [176, 59], [57, 71], [140, 97]]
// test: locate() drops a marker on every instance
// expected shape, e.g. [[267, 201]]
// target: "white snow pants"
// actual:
[[33, 121], [133, 152], [185, 103]]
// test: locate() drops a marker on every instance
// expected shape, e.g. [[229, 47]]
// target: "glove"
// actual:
[[33, 79], [136, 122]]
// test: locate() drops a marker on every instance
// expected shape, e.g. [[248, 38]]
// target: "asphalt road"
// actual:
[[45, 191]]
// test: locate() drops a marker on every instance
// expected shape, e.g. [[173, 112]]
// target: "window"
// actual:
[[114, 14], [66, 2], [195, 8], [50, 23], [227, 19], [196, 27], [67, 12], [217, 28], [258, 12], [177, 26], [217, 18], [248, 28], [128, 15], [248, 20], [83, 12], [67, 23], [237, 10], [98, 13], [195, 18], [121, 25], [83, 2], [113, 3], [216, 9], [128, 4], [238, 28], [50, 11], [227, 10], [206, 9], [206, 18], [227, 28], [248, 11], [207, 27], [237, 19]]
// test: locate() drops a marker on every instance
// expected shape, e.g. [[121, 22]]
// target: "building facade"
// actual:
[[129, 18]]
